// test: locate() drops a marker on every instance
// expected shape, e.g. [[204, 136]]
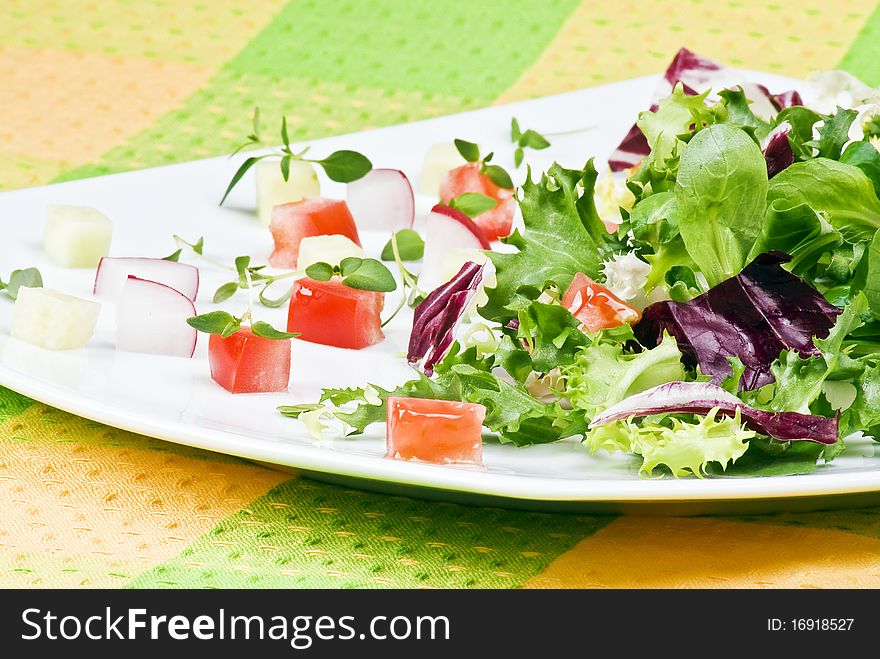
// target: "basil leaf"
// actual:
[[284, 139], [468, 150], [349, 265], [498, 176], [518, 156], [369, 275], [533, 140], [225, 292], [473, 203], [410, 246], [266, 331], [245, 166], [285, 167], [345, 166], [241, 263], [320, 271], [29, 277], [215, 322], [515, 132]]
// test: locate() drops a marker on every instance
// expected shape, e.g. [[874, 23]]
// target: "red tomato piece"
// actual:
[[333, 314], [245, 363], [495, 223], [312, 216], [596, 307], [439, 431]]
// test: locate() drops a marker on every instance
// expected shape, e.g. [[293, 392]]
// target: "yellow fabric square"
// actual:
[[657, 552], [75, 106]]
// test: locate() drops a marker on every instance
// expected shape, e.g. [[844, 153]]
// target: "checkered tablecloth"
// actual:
[[89, 87]]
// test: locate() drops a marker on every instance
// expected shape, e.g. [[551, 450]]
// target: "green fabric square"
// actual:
[[304, 534], [474, 50]]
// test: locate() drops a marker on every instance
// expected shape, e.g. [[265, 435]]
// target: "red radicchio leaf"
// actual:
[[778, 154], [436, 318], [696, 74], [753, 316], [703, 397]]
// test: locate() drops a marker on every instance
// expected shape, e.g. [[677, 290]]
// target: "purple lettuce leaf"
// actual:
[[696, 74], [436, 318], [703, 397], [754, 316], [778, 153]]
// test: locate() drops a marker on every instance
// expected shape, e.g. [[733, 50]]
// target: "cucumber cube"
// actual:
[[76, 236], [54, 320], [327, 249], [273, 190]]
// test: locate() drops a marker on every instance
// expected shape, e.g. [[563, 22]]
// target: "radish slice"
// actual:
[[446, 229], [382, 200], [113, 272], [151, 317]]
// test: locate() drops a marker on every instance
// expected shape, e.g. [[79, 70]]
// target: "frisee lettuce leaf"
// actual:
[[684, 448], [602, 374], [563, 236]]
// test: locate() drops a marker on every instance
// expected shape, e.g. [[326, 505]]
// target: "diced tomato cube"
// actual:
[[333, 314], [245, 363], [495, 223], [595, 306], [312, 216], [439, 431]]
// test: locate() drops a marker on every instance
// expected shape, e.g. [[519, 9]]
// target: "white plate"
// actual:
[[175, 399]]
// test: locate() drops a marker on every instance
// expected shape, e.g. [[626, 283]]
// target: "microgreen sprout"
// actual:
[[341, 166]]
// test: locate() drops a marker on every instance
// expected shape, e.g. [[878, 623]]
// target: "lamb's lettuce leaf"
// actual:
[[842, 193], [721, 193]]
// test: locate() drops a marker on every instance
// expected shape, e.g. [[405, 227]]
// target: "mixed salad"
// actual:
[[709, 305]]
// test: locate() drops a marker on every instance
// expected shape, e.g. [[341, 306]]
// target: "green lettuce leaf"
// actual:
[[843, 194], [674, 116], [547, 337], [684, 448], [799, 232], [864, 413], [735, 109], [872, 276], [833, 134], [563, 236], [865, 156], [799, 380], [721, 195], [511, 410], [602, 374]]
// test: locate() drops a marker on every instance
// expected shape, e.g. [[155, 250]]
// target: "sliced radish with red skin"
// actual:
[[446, 229], [113, 272], [382, 200], [151, 317]]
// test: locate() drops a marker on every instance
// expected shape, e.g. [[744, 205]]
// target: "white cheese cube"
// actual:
[[53, 320], [273, 190], [439, 159], [76, 236], [326, 249]]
